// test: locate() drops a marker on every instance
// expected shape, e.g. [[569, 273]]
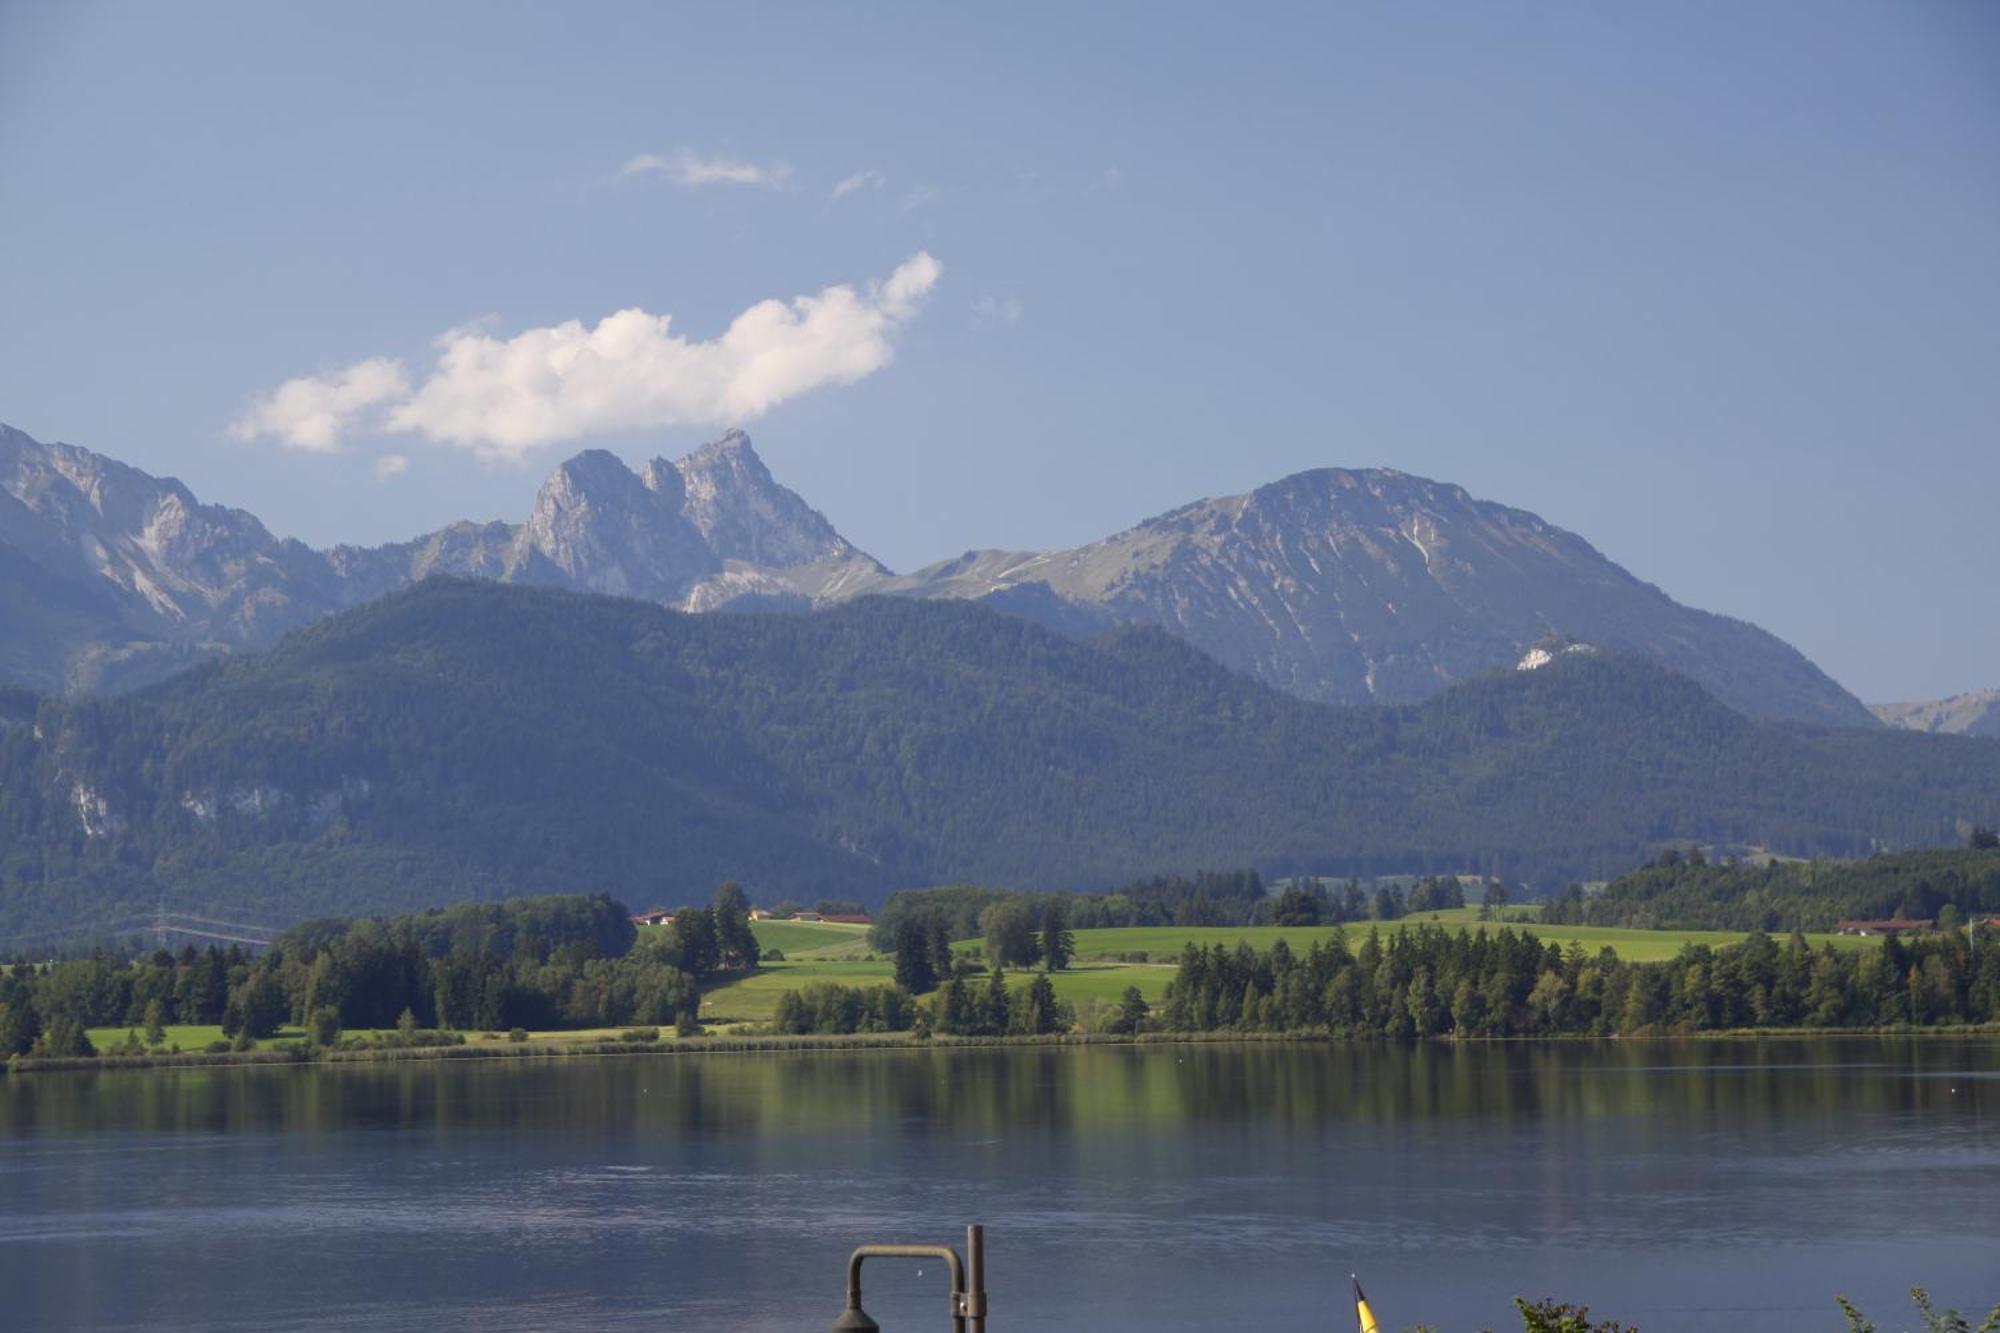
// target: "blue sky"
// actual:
[[1715, 285]]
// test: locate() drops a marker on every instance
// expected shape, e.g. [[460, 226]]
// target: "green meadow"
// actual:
[[1110, 960], [811, 939]]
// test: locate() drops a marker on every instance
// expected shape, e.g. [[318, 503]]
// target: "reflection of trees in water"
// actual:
[[983, 1090]]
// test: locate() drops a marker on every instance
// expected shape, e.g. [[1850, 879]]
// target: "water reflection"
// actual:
[[1126, 1187]]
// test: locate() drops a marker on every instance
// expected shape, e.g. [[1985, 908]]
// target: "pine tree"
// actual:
[[1040, 1013], [1132, 1011], [914, 972], [938, 932], [996, 1010], [1058, 944]]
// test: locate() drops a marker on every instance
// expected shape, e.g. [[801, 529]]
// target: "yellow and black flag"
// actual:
[[1362, 1312]]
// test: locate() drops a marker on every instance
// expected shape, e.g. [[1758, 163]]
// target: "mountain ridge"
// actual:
[[1335, 584]]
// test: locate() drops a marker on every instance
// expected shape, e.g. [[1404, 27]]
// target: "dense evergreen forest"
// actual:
[[1687, 892], [1427, 981], [467, 740]]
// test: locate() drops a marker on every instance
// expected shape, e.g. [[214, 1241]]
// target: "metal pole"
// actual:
[[975, 1279]]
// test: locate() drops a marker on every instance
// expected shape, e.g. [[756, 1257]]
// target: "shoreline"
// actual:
[[301, 1056]]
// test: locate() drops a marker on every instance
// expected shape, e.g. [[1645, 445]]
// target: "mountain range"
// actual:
[[1336, 585], [467, 739]]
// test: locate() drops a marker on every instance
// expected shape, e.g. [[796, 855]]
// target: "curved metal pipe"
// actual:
[[944, 1252]]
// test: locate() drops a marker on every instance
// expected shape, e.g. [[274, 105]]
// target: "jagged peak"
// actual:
[[594, 466], [730, 452]]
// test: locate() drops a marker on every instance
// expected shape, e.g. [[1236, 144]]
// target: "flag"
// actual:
[[1362, 1312]]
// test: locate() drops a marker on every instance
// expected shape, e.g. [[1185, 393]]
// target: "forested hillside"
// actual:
[[467, 740], [1682, 893]]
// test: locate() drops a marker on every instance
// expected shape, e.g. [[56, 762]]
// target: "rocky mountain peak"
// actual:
[[598, 525], [745, 514]]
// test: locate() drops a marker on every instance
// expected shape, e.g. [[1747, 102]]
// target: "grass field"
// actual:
[[811, 939]]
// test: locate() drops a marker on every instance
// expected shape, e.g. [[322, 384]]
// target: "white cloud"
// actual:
[[998, 310], [860, 180], [689, 169], [918, 197], [505, 397], [313, 411], [389, 466]]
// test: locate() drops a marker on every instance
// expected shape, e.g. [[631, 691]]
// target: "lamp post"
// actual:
[[968, 1282]]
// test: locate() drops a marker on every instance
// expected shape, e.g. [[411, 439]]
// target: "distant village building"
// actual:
[[808, 916], [759, 914], [659, 916], [1891, 927], [843, 918]]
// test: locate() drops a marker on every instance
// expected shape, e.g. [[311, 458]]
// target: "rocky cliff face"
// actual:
[[1337, 585], [110, 577], [1973, 714], [110, 574]]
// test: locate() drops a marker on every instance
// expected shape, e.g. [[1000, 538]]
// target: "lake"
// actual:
[[1692, 1185]]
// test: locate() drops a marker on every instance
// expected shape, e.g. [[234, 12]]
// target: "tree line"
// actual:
[[1428, 981], [967, 1004], [538, 963], [1686, 891]]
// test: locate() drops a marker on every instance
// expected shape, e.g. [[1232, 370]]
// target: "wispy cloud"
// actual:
[[389, 466], [312, 412], [860, 180], [997, 310], [918, 197], [503, 398], [688, 168]]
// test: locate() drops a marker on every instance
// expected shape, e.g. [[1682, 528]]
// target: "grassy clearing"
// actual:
[[754, 999], [811, 939]]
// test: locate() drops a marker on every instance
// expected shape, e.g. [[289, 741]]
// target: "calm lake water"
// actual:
[[1702, 1186]]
